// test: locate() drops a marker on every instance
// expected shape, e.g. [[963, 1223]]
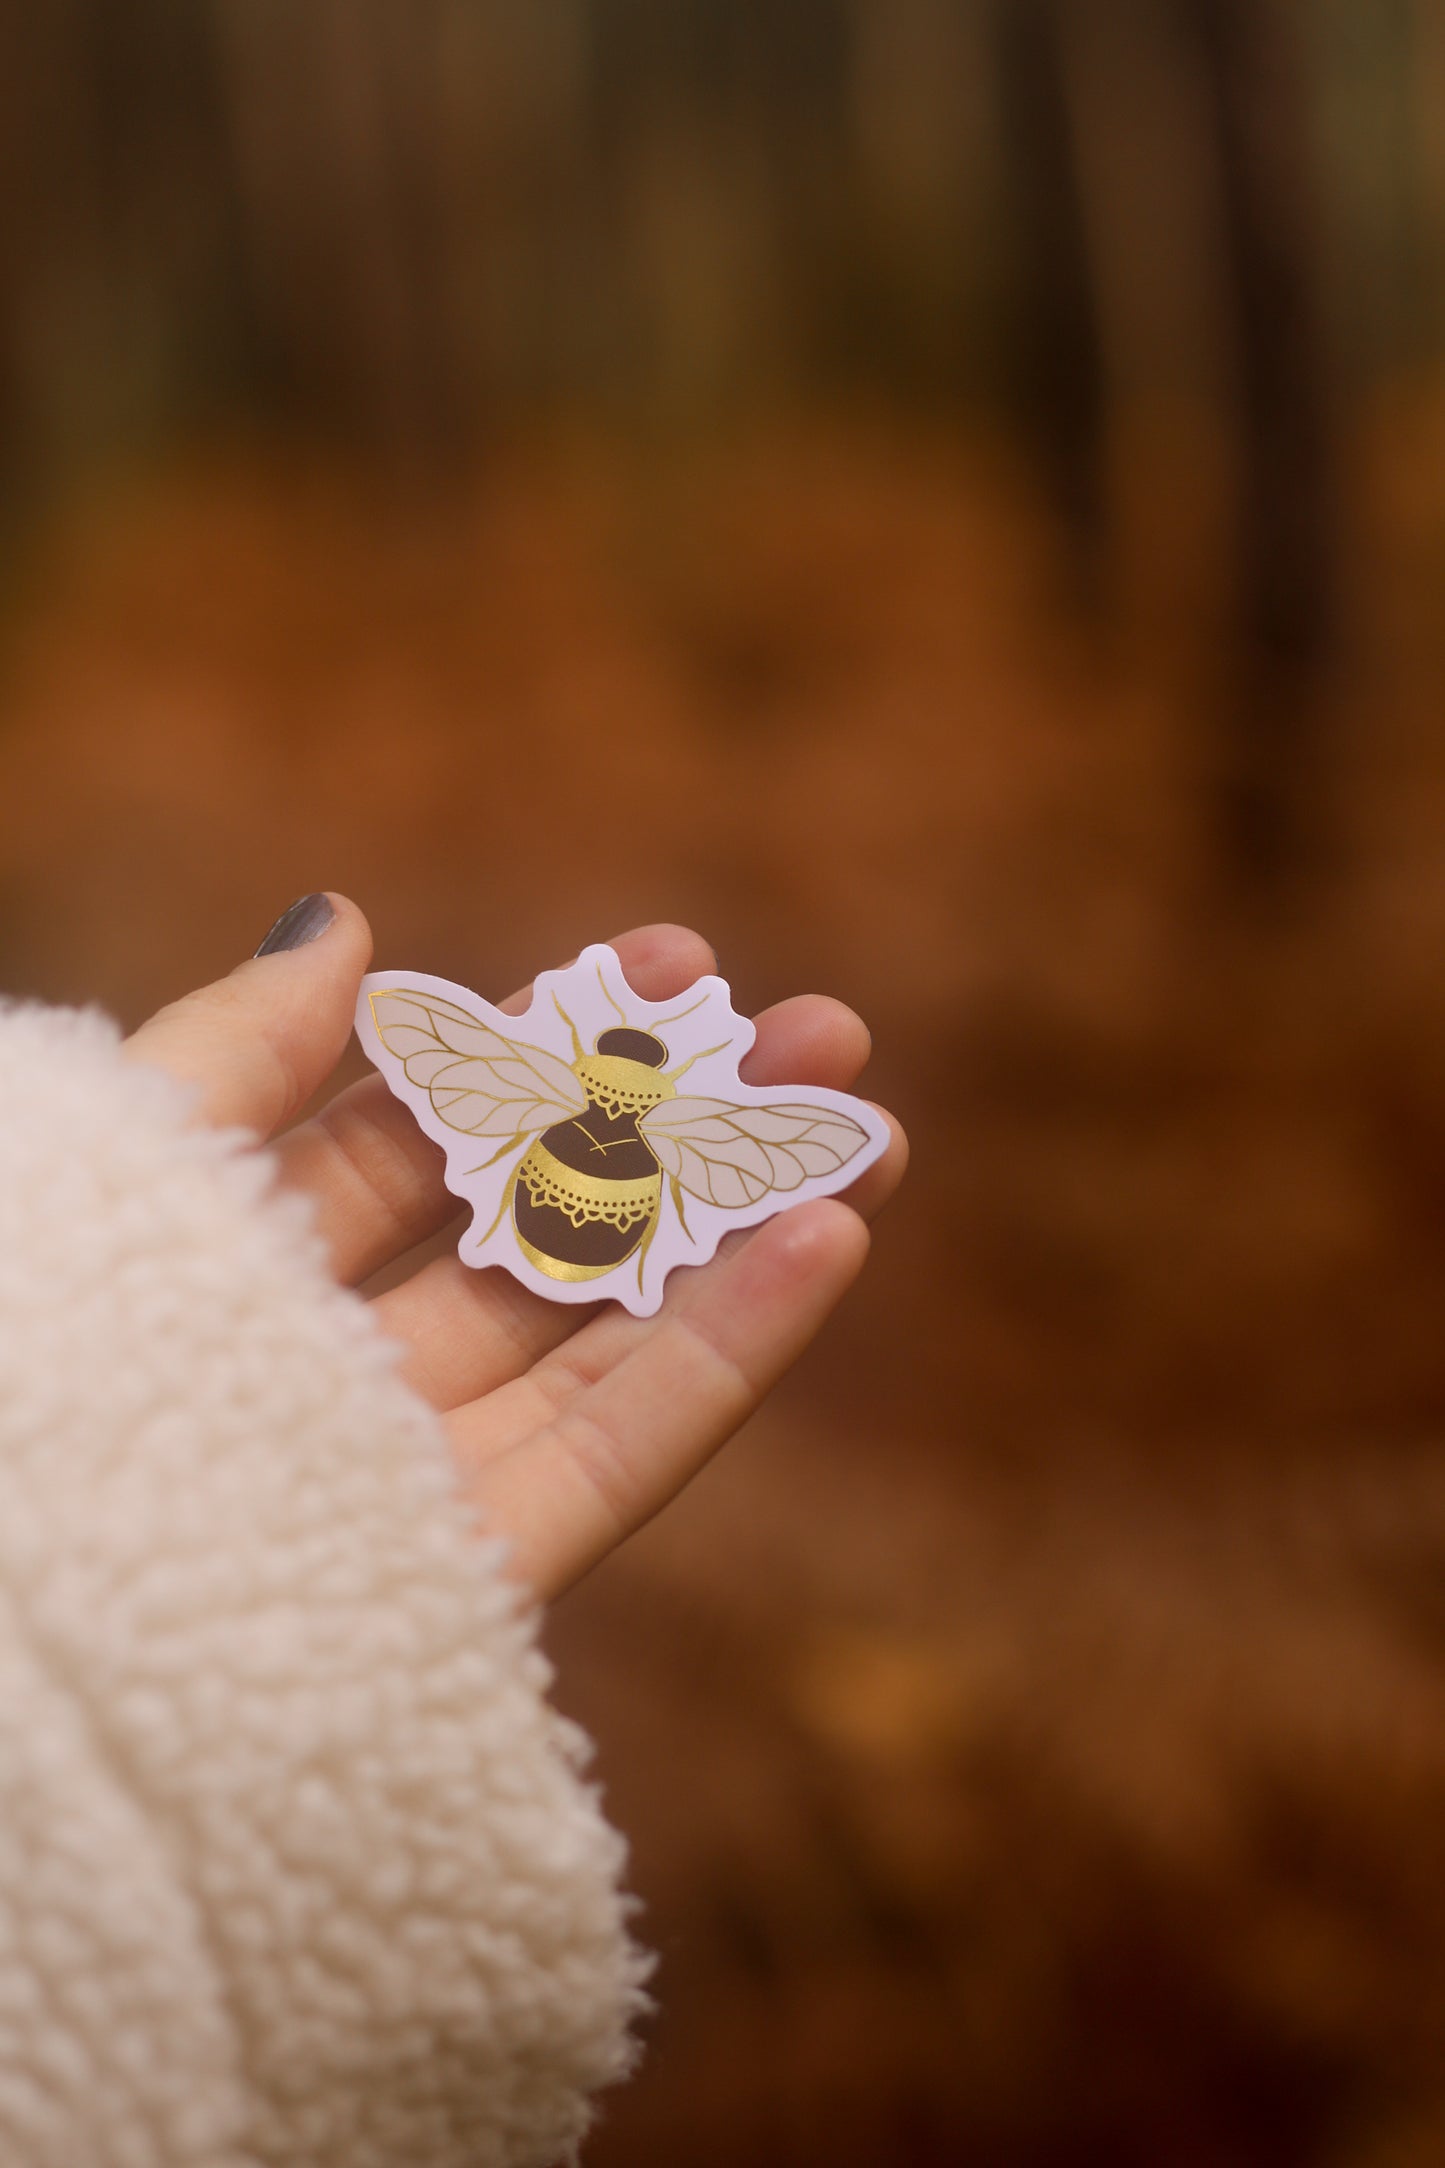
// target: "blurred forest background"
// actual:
[[949, 497]]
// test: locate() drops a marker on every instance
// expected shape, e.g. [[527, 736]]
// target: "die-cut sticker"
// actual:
[[590, 1167]]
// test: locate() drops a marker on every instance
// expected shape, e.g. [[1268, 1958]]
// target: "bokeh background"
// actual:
[[949, 497]]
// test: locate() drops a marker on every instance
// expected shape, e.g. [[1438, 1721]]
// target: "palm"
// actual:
[[569, 1428]]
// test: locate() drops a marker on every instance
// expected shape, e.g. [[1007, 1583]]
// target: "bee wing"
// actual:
[[732, 1155], [480, 1082]]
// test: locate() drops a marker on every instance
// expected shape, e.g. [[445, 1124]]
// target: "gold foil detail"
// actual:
[[620, 1085], [555, 1270], [585, 1197]]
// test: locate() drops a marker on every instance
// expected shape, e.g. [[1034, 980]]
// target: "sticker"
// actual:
[[601, 1139]]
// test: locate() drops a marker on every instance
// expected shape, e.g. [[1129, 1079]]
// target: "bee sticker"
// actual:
[[590, 1168]]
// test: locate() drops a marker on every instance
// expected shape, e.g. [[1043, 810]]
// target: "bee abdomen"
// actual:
[[585, 1198], [577, 1225]]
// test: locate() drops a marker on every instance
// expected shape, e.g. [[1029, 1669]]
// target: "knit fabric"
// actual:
[[296, 1863]]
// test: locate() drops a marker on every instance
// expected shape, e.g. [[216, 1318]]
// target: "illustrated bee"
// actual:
[[598, 1139]]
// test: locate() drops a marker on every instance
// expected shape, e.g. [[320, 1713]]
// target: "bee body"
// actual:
[[589, 1191], [581, 1172]]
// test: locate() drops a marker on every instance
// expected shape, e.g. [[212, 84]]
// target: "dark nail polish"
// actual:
[[307, 918]]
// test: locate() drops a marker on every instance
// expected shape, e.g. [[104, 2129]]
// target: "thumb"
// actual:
[[257, 1043]]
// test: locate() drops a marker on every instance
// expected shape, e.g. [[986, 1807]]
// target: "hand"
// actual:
[[571, 1426]]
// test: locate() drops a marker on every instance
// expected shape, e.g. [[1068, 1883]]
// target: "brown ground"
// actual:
[[1031, 1731]]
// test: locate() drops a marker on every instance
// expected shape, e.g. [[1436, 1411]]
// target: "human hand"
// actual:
[[570, 1425]]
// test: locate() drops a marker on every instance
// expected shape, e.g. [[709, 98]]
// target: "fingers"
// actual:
[[877, 1183], [569, 1492], [258, 1043], [514, 1401], [377, 1180], [468, 1332], [810, 1039], [657, 962]]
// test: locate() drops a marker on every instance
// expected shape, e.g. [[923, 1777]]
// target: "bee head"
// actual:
[[633, 1046]]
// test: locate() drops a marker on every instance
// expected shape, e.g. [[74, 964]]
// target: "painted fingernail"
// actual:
[[307, 917]]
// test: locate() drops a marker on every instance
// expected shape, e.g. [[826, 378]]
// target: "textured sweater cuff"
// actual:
[[296, 1863]]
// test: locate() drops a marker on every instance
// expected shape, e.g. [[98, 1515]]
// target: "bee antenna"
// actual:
[[609, 996], [577, 1047], [672, 1075], [666, 1020]]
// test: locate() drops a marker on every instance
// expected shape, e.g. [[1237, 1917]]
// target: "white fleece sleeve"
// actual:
[[296, 1864]]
